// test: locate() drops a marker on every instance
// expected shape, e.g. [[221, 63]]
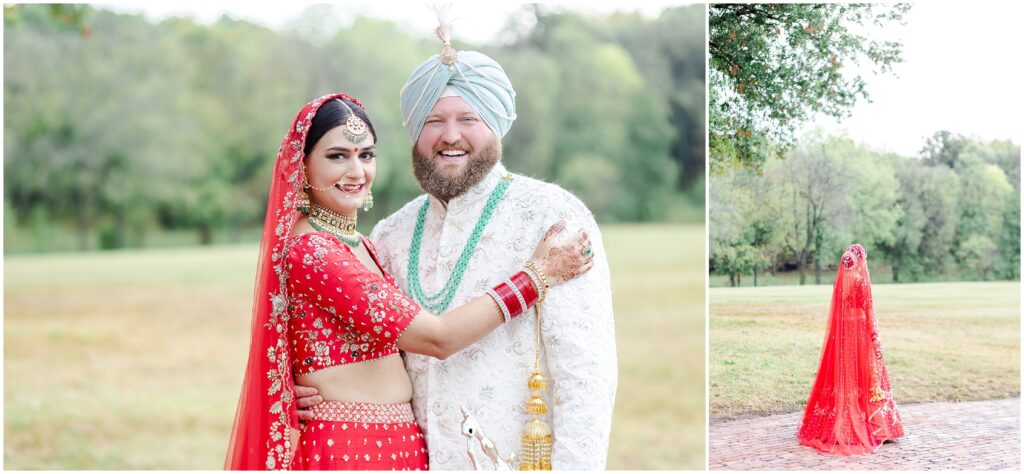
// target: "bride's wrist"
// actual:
[[539, 280], [515, 295]]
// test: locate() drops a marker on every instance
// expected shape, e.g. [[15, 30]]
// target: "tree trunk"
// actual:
[[808, 240], [755, 277], [732, 280], [120, 229], [205, 234], [803, 270], [817, 270], [83, 223]]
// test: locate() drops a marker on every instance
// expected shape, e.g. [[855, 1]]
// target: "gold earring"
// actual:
[[368, 201], [302, 205]]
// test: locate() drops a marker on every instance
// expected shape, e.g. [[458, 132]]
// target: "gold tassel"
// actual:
[[876, 394], [535, 453]]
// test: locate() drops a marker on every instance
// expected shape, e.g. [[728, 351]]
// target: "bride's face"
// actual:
[[341, 172]]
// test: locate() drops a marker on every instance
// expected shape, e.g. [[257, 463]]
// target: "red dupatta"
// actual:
[[851, 409], [261, 437]]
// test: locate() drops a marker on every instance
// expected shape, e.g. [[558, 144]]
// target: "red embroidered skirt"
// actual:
[[361, 436]]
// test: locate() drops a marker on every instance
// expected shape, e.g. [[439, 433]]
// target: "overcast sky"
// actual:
[[477, 22], [961, 72]]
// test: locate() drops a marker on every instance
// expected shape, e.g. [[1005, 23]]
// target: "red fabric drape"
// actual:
[[851, 408], [261, 435]]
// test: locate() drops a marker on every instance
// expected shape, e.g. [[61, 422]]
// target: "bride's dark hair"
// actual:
[[330, 115]]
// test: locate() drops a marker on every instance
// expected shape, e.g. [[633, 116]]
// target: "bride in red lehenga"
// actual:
[[327, 316], [851, 409]]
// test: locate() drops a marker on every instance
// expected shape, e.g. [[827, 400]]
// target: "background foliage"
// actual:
[[773, 67], [951, 213], [120, 132]]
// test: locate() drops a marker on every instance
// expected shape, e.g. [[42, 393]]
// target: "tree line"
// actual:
[[952, 212], [117, 128]]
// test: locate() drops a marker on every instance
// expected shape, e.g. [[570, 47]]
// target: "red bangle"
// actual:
[[509, 298], [515, 295], [524, 283]]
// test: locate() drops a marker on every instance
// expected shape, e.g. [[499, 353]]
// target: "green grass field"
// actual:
[[133, 359], [942, 341]]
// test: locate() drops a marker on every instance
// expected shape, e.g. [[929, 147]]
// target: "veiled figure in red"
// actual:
[[327, 317], [851, 409]]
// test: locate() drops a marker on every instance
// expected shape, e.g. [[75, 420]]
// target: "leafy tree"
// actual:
[[550, 60], [744, 231], [79, 147], [1005, 155], [944, 148], [57, 16], [925, 230], [875, 192], [984, 195], [127, 126], [619, 119], [814, 178], [775, 66], [669, 53], [925, 219], [979, 253]]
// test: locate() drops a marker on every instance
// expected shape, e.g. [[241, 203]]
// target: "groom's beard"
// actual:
[[444, 186]]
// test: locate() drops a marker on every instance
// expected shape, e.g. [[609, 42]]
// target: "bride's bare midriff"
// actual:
[[381, 380]]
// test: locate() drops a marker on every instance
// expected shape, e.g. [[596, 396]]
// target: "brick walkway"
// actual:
[[947, 435]]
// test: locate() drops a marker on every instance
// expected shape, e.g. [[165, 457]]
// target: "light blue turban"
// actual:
[[475, 77]]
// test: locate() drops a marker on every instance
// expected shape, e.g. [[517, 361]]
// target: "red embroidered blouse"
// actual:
[[340, 312]]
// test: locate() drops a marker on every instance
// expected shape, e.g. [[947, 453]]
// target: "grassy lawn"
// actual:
[[658, 285], [942, 341], [134, 359]]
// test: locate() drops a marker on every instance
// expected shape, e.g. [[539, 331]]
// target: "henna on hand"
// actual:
[[570, 260], [554, 230], [565, 263]]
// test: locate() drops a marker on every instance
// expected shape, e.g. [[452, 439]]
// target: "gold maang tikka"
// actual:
[[355, 128]]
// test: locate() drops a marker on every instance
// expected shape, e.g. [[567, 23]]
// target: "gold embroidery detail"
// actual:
[[354, 412]]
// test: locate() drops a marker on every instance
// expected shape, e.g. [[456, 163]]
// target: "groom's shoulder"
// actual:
[[552, 195]]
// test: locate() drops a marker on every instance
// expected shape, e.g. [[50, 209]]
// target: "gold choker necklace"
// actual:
[[342, 227]]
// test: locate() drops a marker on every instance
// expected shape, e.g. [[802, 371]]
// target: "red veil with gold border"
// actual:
[[851, 409], [260, 437]]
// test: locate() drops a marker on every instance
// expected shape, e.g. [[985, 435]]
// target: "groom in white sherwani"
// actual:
[[478, 221]]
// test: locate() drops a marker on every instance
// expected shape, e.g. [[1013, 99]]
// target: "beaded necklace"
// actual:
[[342, 227], [439, 302]]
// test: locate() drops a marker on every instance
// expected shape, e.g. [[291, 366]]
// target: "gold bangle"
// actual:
[[543, 280], [535, 281]]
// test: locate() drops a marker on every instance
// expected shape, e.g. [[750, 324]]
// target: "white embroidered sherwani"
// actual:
[[489, 377]]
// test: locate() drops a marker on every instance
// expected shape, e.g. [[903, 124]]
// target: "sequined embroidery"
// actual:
[[341, 312], [355, 412]]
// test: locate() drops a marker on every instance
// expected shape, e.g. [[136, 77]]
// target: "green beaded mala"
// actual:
[[438, 303]]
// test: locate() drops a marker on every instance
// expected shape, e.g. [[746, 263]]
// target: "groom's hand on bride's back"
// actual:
[[306, 397]]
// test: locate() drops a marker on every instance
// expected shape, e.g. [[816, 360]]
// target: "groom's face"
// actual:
[[455, 150]]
